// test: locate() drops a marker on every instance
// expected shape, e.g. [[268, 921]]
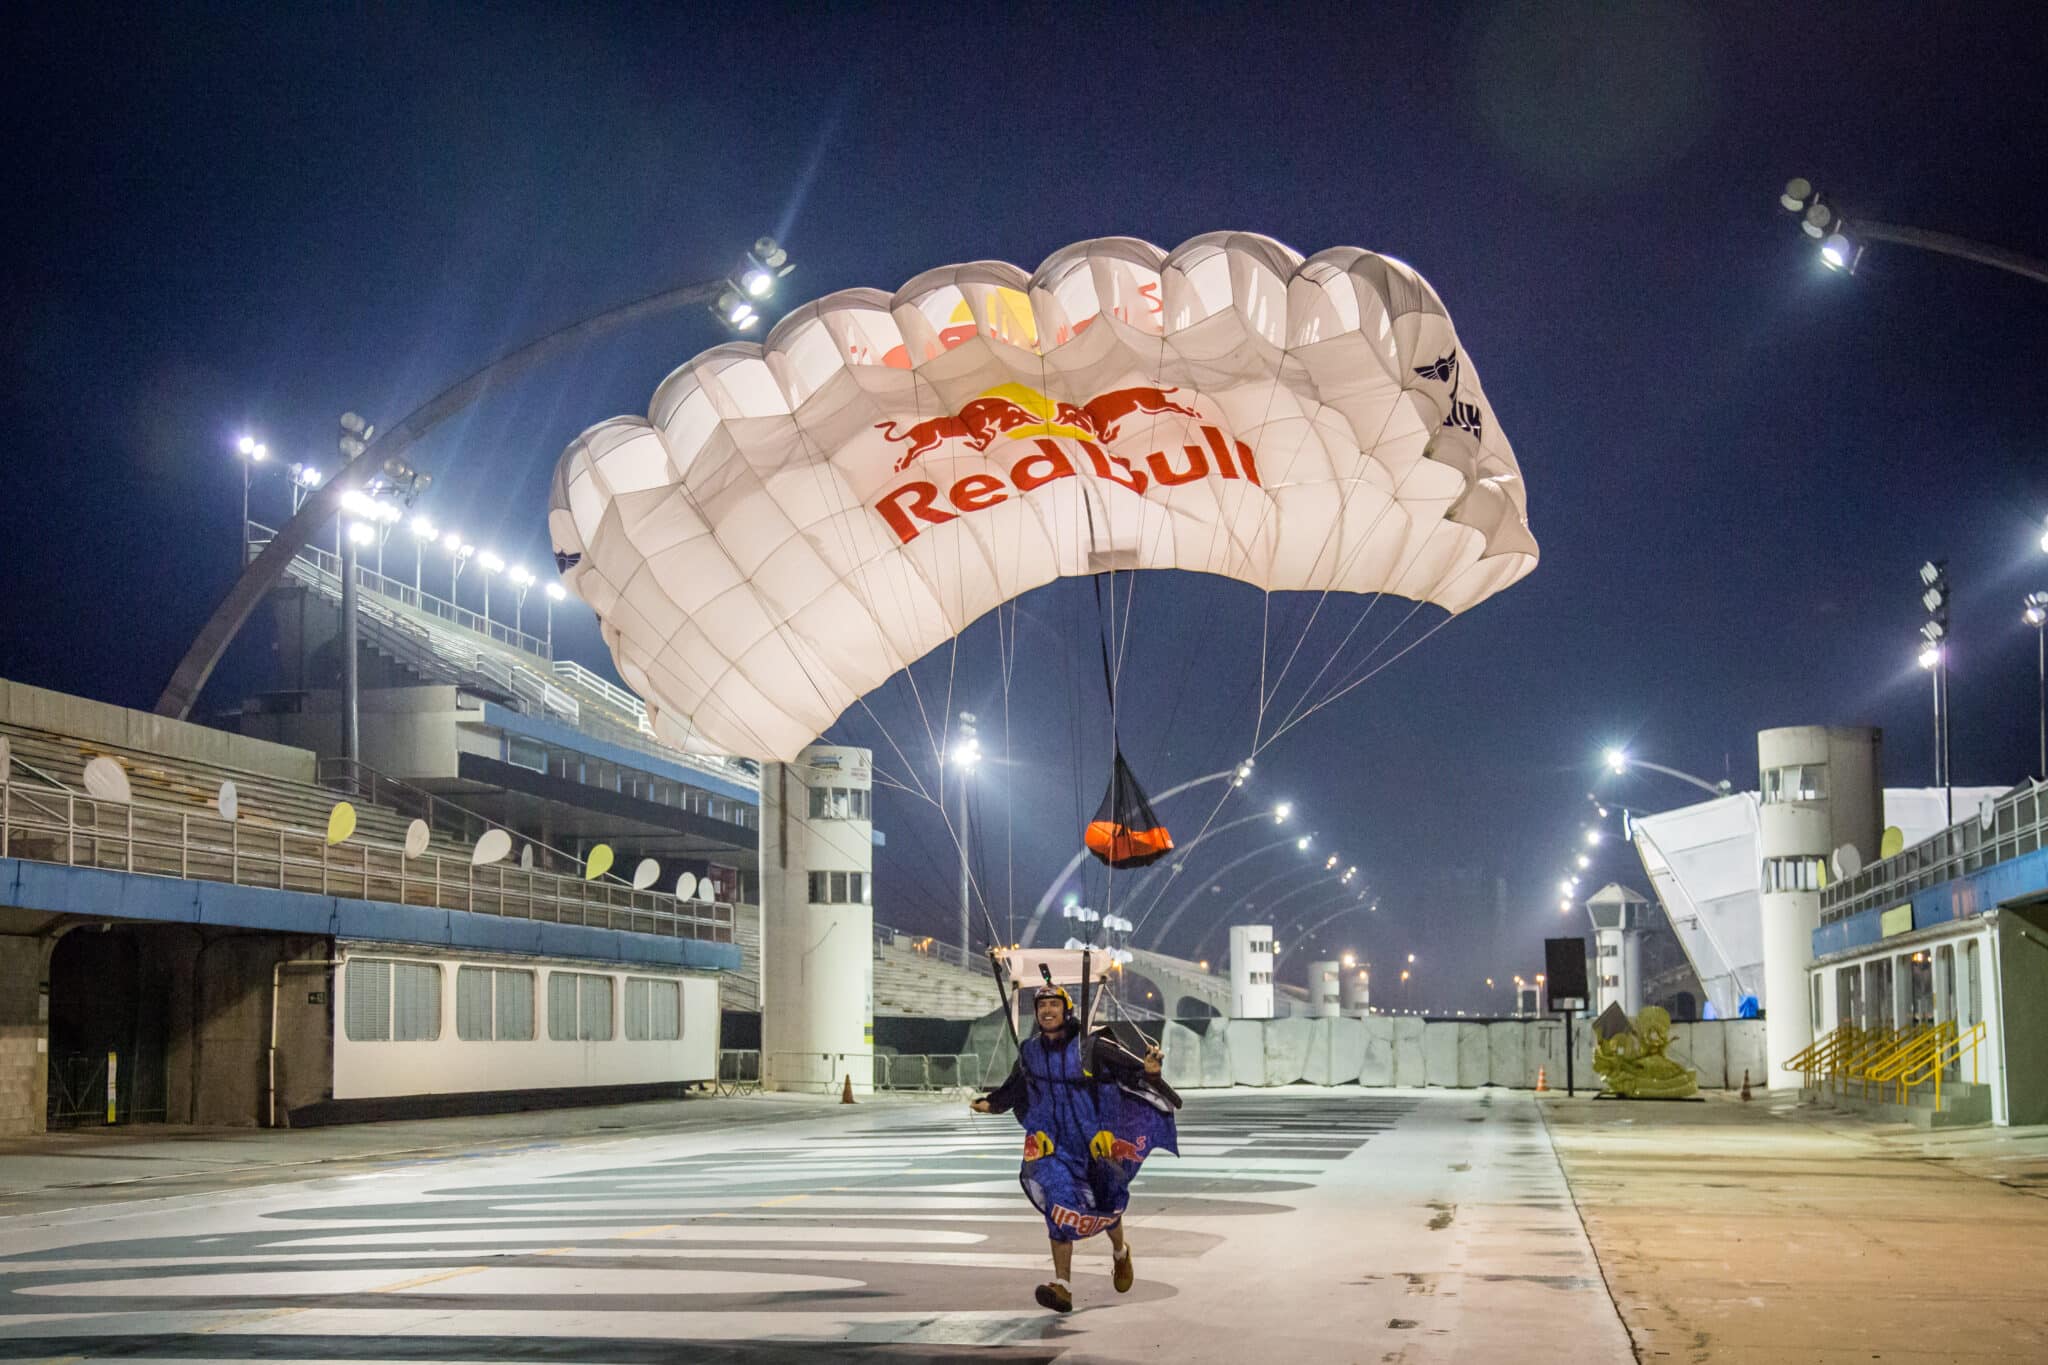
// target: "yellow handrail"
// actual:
[[1933, 1065], [1919, 1044]]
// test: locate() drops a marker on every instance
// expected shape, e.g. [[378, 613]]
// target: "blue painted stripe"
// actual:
[[1952, 900], [54, 888], [566, 737]]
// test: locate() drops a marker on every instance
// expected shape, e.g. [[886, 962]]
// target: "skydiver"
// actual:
[[1091, 1112]]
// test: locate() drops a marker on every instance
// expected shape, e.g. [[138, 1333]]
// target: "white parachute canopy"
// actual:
[[796, 521]]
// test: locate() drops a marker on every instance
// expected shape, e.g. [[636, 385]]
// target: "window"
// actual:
[[839, 803], [524, 753], [1610, 950], [1795, 874], [841, 888], [1973, 983], [1795, 782], [493, 1004], [392, 1002], [654, 1009], [579, 1007]]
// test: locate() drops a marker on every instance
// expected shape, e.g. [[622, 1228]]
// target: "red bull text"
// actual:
[[1082, 1224], [910, 506]]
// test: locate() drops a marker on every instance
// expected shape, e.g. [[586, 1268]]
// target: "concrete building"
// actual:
[[1251, 971], [1325, 989], [174, 954], [1952, 931], [1618, 924], [1356, 992], [818, 921]]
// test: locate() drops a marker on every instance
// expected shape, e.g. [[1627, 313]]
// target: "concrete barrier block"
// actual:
[[1742, 1042], [1474, 1056], [1439, 1052], [1336, 1051], [1583, 1042], [1507, 1054], [1182, 1067], [1247, 1040], [1287, 1044], [1409, 1067], [1216, 1070], [1376, 1063], [1701, 1047]]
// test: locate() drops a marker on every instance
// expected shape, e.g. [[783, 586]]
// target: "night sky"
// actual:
[[234, 219]]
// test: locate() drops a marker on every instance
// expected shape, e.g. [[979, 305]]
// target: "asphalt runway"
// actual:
[[1310, 1224]]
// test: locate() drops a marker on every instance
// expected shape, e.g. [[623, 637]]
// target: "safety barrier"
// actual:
[[1890, 1059], [941, 1071], [1935, 1065], [739, 1071], [813, 1072]]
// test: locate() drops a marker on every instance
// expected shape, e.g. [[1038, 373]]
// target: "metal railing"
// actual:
[[639, 734], [1939, 1061], [364, 783], [924, 945], [2018, 826], [811, 1072], [329, 563], [163, 841]]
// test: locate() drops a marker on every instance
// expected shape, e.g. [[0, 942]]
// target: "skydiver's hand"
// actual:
[[1153, 1060], [1100, 1144], [979, 1106]]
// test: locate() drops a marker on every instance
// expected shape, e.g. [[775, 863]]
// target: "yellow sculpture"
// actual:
[[1633, 1063]]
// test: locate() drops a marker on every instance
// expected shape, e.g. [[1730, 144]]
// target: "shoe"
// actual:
[[1056, 1296], [1124, 1277]]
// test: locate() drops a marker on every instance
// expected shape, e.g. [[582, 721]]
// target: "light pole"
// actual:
[[423, 535], [305, 478], [253, 453], [966, 755], [2036, 615], [1934, 597], [489, 562], [459, 552], [555, 593], [522, 580], [1619, 761], [1842, 239], [378, 451]]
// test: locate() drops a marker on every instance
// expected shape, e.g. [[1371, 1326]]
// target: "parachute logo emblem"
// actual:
[[1459, 414], [1017, 412], [565, 561]]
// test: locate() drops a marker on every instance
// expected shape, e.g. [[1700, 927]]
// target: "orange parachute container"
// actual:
[[1125, 832]]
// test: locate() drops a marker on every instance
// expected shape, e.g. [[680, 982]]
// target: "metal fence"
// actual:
[[739, 1071], [926, 946], [56, 825], [940, 1071]]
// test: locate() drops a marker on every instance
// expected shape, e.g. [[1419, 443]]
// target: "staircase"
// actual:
[[1963, 1104]]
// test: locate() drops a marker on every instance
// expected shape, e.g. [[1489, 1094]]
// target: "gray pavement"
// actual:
[[1346, 1225]]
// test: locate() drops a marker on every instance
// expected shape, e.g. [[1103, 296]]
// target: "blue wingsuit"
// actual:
[[1068, 1088]]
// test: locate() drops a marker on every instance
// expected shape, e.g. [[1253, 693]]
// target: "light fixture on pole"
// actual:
[[1934, 596], [1842, 237], [555, 593], [253, 453], [2036, 615], [965, 756], [305, 478], [459, 552], [490, 562], [1619, 761], [750, 284], [424, 533], [522, 580], [355, 434]]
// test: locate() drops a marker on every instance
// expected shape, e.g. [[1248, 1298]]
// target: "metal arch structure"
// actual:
[[265, 571]]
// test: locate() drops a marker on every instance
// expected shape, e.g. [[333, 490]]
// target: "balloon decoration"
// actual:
[[686, 886], [526, 857], [341, 822], [646, 875], [417, 836], [227, 802], [491, 848], [1892, 842], [107, 780], [895, 467], [599, 863]]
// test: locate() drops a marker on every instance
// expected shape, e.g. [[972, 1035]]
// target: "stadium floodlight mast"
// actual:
[[522, 579], [1934, 596], [555, 593], [380, 449], [305, 478], [252, 452], [424, 533], [1843, 237], [966, 756], [2036, 615], [490, 562]]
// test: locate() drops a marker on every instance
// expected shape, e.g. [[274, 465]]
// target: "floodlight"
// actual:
[[423, 529], [1617, 760], [1564, 888], [1798, 192], [1282, 811], [361, 533], [520, 575], [247, 445], [490, 562], [1584, 861], [1816, 220], [1592, 836], [467, 549], [1930, 656], [306, 476], [557, 592], [1302, 842], [1837, 252], [757, 282]]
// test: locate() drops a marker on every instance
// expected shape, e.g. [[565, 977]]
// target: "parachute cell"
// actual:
[[796, 521]]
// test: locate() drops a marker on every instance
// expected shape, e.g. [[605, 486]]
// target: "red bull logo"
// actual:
[[1037, 1145], [1082, 1224], [1061, 441], [1120, 1150]]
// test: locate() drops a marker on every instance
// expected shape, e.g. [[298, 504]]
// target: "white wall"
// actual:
[[450, 1065], [1251, 972]]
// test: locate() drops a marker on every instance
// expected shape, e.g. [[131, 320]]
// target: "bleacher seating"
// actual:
[[907, 982]]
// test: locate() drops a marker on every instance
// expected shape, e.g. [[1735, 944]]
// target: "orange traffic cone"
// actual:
[[1542, 1081], [1745, 1083], [846, 1090]]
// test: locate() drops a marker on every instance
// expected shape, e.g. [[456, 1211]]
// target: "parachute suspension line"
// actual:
[[1360, 682]]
